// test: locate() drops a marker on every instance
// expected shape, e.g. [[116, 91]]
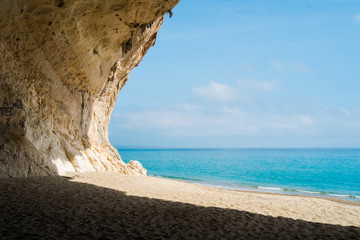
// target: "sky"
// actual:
[[247, 74]]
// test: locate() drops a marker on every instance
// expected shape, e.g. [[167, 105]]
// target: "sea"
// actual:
[[328, 172]]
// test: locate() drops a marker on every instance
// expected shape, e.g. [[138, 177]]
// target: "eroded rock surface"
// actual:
[[136, 168], [62, 65]]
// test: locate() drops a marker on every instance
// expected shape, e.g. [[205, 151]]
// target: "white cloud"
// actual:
[[357, 19], [263, 86], [345, 112], [305, 119], [276, 64], [247, 66], [157, 119], [224, 93], [287, 123], [280, 66], [216, 91], [215, 121], [300, 67]]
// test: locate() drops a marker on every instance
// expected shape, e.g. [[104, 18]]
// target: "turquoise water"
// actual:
[[316, 172]]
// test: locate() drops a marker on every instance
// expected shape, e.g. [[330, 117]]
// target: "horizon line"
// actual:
[[219, 148]]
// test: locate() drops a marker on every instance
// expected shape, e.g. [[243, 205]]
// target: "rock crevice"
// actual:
[[63, 64]]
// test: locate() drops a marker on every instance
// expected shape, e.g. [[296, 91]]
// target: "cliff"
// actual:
[[62, 65]]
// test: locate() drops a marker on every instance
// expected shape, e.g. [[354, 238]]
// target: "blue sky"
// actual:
[[247, 74]]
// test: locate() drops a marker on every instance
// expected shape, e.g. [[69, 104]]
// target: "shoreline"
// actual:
[[257, 169], [335, 199], [338, 200], [307, 208], [281, 191]]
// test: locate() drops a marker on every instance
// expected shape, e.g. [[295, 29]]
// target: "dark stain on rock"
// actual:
[[9, 109], [118, 6], [145, 25], [133, 25], [127, 46], [59, 3]]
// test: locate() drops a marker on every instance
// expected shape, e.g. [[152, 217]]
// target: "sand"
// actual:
[[115, 206]]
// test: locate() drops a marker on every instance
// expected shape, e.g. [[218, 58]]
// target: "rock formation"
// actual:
[[63, 63]]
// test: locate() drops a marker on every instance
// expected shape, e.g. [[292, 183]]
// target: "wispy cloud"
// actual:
[[228, 121], [277, 65], [345, 112], [295, 66], [225, 93], [216, 91], [279, 123], [357, 19], [264, 86], [247, 66], [157, 119], [300, 67], [221, 121], [305, 119]]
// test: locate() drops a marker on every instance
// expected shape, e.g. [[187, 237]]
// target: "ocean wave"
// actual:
[[310, 192], [297, 191], [339, 195], [242, 186], [271, 188], [180, 178]]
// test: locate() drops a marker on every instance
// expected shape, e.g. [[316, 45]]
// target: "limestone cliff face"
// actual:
[[63, 63]]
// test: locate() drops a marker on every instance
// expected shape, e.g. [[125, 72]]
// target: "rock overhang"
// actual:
[[63, 64]]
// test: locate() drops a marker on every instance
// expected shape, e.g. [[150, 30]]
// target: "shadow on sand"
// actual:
[[57, 208]]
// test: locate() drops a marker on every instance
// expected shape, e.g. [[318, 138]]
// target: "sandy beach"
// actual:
[[115, 206]]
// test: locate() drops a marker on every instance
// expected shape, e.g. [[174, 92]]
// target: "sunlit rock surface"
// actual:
[[62, 65], [136, 168]]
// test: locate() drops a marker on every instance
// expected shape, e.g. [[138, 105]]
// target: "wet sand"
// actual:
[[114, 206]]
